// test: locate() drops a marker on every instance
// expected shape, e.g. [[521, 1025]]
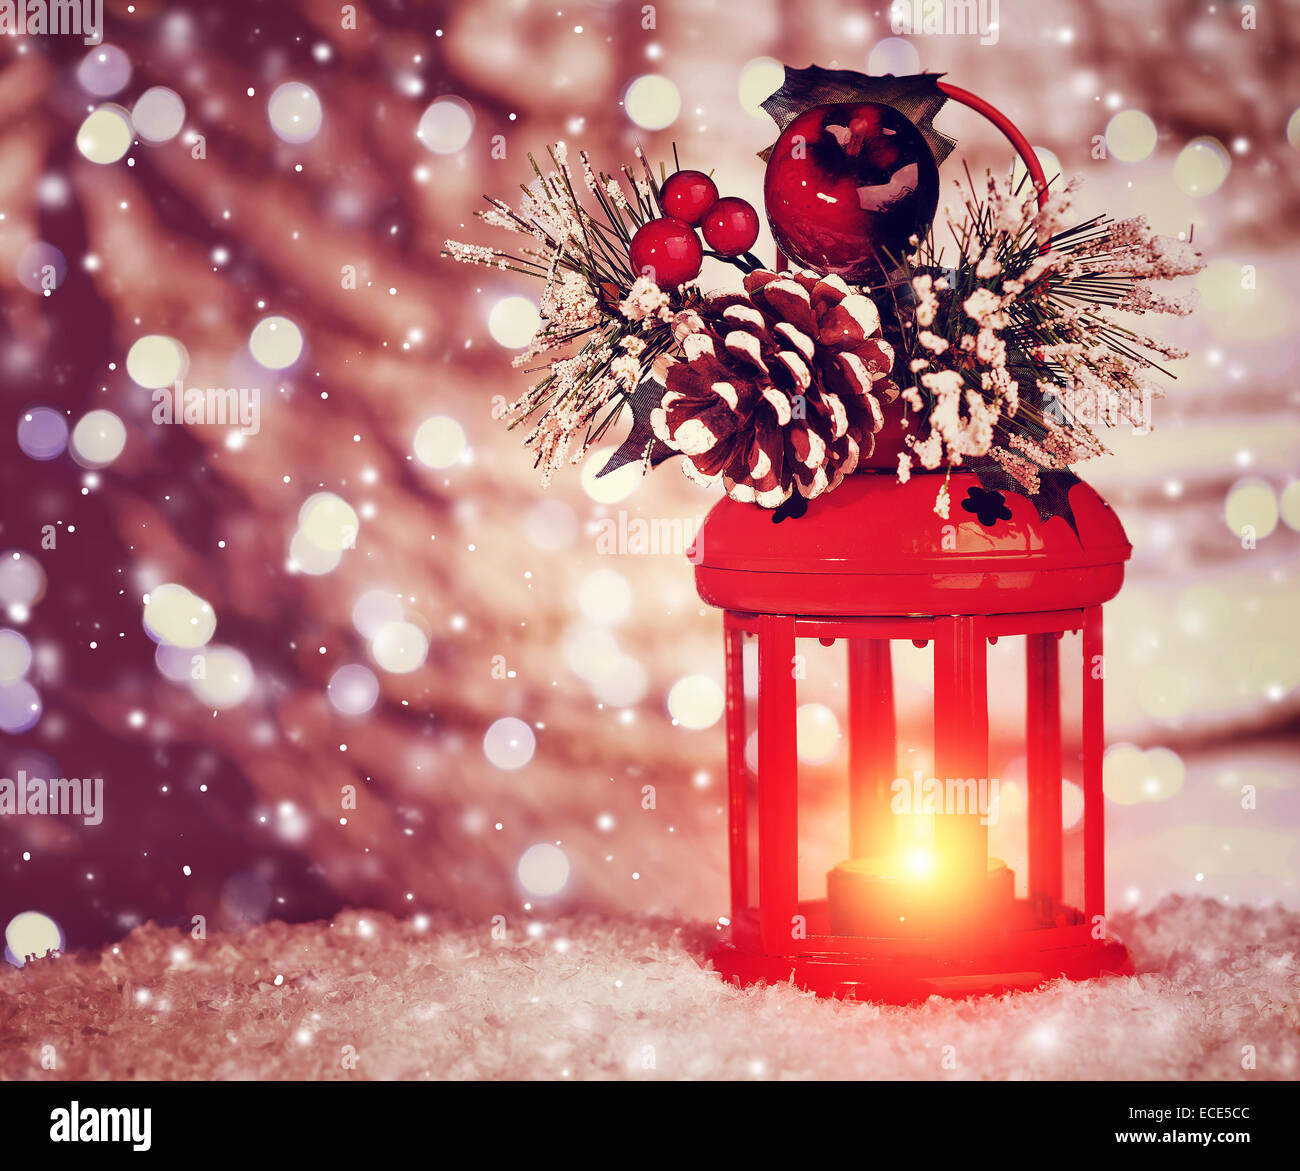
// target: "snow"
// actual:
[[371, 996]]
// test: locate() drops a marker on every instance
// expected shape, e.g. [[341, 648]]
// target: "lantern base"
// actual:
[[908, 980]]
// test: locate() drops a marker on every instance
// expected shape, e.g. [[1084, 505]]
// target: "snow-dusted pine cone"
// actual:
[[781, 388]]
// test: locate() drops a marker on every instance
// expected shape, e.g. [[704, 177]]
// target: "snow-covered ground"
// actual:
[[1217, 996]]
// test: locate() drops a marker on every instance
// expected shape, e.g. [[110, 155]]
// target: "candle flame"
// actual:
[[919, 862]]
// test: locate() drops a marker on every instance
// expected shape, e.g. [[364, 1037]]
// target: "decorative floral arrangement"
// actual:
[[870, 350], [1016, 351]]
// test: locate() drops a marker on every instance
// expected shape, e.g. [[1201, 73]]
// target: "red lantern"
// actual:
[[916, 906], [870, 565]]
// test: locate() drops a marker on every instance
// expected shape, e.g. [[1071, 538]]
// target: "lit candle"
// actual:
[[905, 893]]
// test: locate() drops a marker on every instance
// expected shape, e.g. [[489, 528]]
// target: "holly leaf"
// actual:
[[916, 96], [1051, 499], [641, 444], [795, 507]]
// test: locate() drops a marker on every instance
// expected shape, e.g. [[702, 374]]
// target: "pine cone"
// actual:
[[781, 388]]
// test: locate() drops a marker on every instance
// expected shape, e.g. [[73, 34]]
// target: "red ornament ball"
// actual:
[[687, 195], [731, 226], [847, 186], [668, 251]]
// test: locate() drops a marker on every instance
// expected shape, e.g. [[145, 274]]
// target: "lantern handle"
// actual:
[[1008, 128]]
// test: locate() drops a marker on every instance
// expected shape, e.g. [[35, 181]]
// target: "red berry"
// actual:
[[847, 185], [687, 195], [731, 227], [668, 251]]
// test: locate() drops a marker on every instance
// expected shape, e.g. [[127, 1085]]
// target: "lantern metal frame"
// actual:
[[822, 579], [1019, 952]]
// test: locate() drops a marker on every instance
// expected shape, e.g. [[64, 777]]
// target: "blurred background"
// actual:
[[422, 681]]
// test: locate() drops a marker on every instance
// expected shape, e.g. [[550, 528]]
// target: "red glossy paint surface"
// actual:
[[872, 563], [875, 546], [847, 184]]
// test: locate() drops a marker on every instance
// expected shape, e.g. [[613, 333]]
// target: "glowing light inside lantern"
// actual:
[[919, 863]]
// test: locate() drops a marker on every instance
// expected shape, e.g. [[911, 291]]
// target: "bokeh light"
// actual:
[[276, 343], [509, 743], [1071, 804], [158, 114], [1053, 172], [696, 701], [620, 681], [817, 732], [329, 522], [1131, 136], [41, 268], [22, 580], [759, 79], [617, 485], [15, 656], [604, 596], [374, 610], [1289, 505], [309, 558], [353, 689], [894, 55], [446, 125], [177, 616], [440, 442], [104, 71], [513, 321], [1201, 167], [1251, 508], [106, 135], [543, 869], [653, 102], [226, 678], [31, 933], [295, 113], [20, 707], [399, 647], [98, 439], [1131, 775], [156, 360], [42, 433]]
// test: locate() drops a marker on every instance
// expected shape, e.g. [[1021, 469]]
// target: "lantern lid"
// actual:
[[876, 546]]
